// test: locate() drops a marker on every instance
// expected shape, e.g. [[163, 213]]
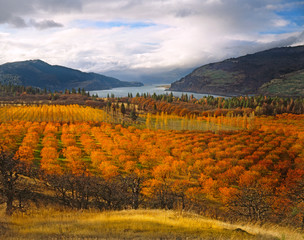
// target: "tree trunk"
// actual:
[[9, 205]]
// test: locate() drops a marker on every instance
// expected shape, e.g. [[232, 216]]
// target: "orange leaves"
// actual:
[[145, 160], [123, 158], [97, 157], [49, 153], [228, 193], [68, 140], [75, 164], [231, 176], [179, 168], [31, 139], [50, 140], [49, 160], [162, 172], [108, 170], [50, 168], [299, 163], [25, 154], [294, 176], [72, 153], [194, 193], [209, 187], [116, 153], [77, 167], [50, 128], [130, 166], [151, 186], [52, 113], [88, 143], [249, 178]]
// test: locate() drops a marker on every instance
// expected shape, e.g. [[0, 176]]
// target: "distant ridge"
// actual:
[[278, 72], [40, 74]]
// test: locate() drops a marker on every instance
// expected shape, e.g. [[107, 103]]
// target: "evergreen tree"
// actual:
[[123, 109], [133, 115]]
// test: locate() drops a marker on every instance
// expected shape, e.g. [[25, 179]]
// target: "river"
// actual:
[[157, 88]]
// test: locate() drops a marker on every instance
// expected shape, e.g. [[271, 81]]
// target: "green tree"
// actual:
[[123, 109], [133, 115]]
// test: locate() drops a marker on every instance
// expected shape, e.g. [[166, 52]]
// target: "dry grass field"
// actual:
[[131, 224]]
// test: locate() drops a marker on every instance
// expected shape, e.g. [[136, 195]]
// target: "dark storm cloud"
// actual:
[[185, 13], [14, 12], [58, 5], [17, 22], [44, 24]]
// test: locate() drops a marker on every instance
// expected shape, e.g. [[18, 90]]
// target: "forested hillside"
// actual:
[[276, 72], [37, 73]]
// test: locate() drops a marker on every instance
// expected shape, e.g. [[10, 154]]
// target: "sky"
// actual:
[[144, 36]]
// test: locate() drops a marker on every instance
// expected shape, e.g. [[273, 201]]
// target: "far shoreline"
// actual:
[[166, 87]]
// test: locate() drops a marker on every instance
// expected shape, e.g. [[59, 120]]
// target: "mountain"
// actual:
[[43, 75], [278, 71]]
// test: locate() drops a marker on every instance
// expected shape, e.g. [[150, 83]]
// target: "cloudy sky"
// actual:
[[144, 35]]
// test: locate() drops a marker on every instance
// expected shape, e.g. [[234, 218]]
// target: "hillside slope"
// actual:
[[40, 74], [247, 74], [129, 224], [291, 84]]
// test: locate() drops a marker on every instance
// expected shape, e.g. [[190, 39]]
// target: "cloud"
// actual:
[[236, 48], [59, 6], [44, 24], [14, 12], [299, 40], [17, 22], [118, 35]]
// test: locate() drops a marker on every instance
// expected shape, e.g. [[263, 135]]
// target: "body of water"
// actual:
[[157, 89]]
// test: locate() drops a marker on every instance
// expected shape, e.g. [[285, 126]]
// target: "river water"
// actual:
[[157, 89]]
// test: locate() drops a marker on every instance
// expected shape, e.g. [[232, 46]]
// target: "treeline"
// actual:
[[12, 89], [17, 94], [262, 105], [185, 105]]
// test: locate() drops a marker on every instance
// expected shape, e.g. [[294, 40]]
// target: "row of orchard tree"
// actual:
[[49, 113], [183, 106], [254, 174]]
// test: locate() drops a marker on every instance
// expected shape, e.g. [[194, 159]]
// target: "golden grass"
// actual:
[[129, 224]]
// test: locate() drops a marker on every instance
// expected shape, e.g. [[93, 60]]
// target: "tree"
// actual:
[[73, 191], [74, 161], [253, 203], [133, 115], [123, 109], [10, 169], [294, 190]]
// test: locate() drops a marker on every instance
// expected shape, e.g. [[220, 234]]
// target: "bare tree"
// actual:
[[252, 203], [10, 170]]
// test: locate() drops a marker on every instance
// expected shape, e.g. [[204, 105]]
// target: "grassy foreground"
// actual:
[[130, 224]]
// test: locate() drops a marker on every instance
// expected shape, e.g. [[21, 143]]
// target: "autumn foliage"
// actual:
[[255, 173]]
